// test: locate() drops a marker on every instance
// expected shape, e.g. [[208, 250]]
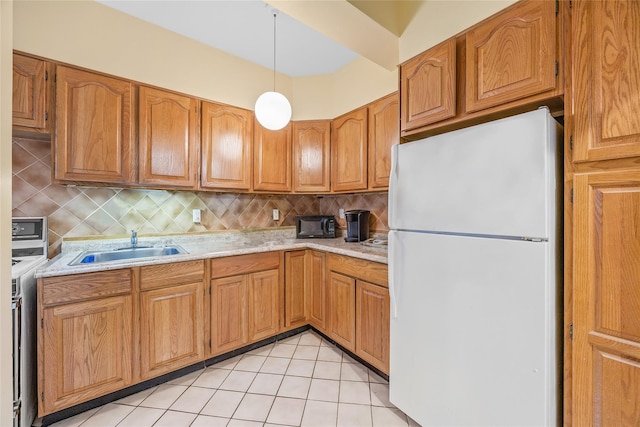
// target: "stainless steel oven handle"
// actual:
[[16, 311]]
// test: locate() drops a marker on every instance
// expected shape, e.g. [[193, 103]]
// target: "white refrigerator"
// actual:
[[474, 277]]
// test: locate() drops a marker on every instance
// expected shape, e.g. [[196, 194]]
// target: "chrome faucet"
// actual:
[[134, 238]]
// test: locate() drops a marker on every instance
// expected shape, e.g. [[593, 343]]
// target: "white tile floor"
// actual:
[[300, 381]]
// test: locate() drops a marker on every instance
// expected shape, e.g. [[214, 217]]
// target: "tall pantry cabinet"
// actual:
[[603, 133]]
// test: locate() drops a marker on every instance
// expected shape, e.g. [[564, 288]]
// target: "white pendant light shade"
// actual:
[[273, 110]]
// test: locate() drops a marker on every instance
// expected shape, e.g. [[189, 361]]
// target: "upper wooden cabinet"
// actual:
[[311, 155], [93, 141], [509, 63], [511, 55], [349, 151], [31, 94], [272, 159], [168, 130], [227, 145], [428, 86], [606, 79], [384, 131]]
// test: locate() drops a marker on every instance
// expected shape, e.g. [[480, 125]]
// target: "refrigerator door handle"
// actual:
[[393, 184], [394, 254]]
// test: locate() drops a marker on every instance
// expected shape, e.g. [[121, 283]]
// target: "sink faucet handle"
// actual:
[[134, 238]]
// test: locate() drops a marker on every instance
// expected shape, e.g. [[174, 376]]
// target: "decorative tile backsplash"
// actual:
[[100, 211]]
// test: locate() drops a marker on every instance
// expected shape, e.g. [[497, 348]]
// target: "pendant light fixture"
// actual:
[[272, 109]]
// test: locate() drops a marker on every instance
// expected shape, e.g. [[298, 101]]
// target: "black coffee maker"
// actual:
[[357, 225]]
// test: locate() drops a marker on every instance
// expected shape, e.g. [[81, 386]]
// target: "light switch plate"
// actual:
[[341, 213], [276, 214], [196, 216]]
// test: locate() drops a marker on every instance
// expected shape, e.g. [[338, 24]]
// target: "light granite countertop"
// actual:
[[203, 246]]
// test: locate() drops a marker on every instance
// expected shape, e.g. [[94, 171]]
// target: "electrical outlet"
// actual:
[[341, 213], [196, 216], [276, 214]]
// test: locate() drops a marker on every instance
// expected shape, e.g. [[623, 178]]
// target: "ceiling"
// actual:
[[245, 28]]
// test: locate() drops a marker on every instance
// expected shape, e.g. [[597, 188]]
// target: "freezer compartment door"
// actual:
[[497, 178], [473, 336]]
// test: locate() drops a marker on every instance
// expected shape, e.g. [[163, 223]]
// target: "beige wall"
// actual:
[[6, 372], [356, 84]]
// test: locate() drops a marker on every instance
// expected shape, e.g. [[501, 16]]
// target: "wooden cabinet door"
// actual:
[[295, 288], [606, 80], [428, 86], [372, 324], [511, 55], [93, 141], [606, 298], [317, 289], [342, 308], [264, 307], [86, 351], [311, 155], [227, 145], [168, 140], [272, 159], [349, 151], [172, 328], [30, 94], [228, 313], [384, 131]]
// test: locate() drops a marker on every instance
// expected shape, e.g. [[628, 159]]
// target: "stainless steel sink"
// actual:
[[93, 257]]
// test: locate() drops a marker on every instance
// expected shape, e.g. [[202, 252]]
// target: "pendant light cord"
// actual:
[[274, 50]]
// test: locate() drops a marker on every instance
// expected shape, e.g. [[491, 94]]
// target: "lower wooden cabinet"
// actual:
[[228, 313], [342, 303], [171, 317], [359, 308], [245, 300], [305, 289], [317, 290], [372, 324], [86, 342], [104, 331], [295, 288], [264, 304]]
